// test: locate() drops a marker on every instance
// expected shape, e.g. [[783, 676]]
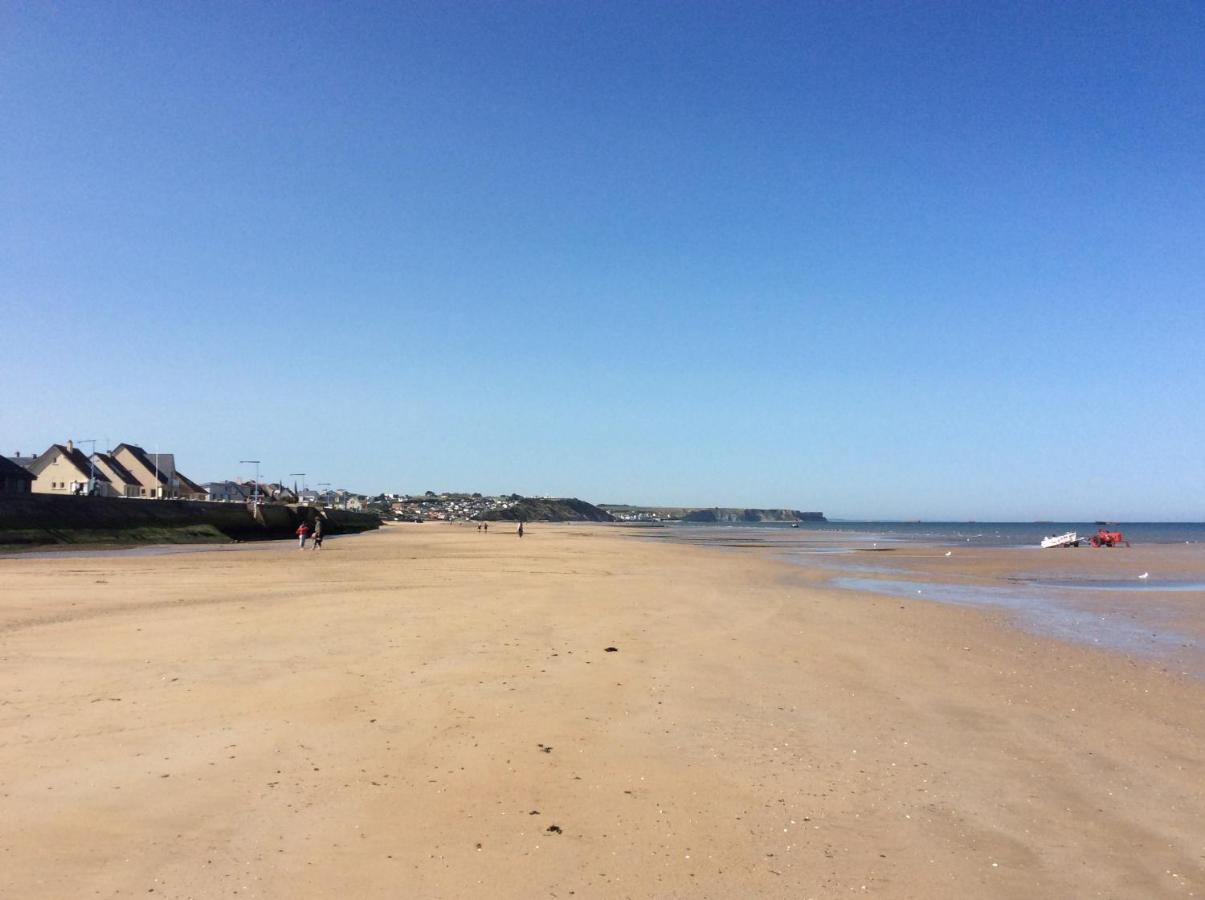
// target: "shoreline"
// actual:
[[387, 714], [1091, 597], [997, 535]]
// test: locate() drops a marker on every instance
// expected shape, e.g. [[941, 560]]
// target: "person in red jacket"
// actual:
[[303, 531]]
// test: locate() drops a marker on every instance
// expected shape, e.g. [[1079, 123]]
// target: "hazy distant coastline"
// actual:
[[714, 514]]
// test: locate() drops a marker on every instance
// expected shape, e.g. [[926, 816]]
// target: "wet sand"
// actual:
[[433, 712], [1147, 600]]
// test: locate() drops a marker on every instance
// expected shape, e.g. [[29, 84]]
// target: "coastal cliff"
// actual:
[[542, 509], [726, 514], [626, 512]]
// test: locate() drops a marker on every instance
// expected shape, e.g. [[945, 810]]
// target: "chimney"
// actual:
[[70, 446]]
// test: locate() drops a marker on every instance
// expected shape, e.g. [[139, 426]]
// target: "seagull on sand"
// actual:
[[1145, 575], [949, 553]]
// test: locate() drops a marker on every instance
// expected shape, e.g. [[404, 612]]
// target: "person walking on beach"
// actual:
[[303, 531], [520, 531], [317, 534], [485, 526]]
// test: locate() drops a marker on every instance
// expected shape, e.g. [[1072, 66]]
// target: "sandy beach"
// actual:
[[433, 712]]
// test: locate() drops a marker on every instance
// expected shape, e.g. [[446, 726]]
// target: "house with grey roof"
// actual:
[[279, 493], [120, 478], [156, 474], [14, 478], [64, 469], [225, 492], [23, 461]]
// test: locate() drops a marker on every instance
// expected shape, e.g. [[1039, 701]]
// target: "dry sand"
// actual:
[[431, 712]]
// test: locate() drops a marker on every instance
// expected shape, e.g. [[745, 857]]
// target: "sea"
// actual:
[[984, 534], [1153, 615]]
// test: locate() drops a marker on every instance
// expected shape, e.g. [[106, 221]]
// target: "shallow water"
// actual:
[[1047, 610], [952, 534], [1136, 584], [1136, 615]]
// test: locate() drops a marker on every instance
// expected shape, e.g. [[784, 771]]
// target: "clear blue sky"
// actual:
[[880, 259]]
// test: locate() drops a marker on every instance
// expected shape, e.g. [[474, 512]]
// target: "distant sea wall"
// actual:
[[42, 519]]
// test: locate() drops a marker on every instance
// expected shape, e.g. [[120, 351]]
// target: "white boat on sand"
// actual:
[[1070, 539]]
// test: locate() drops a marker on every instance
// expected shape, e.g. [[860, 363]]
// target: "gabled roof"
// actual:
[[224, 487], [10, 469], [74, 456], [143, 459], [189, 483], [117, 470], [160, 465]]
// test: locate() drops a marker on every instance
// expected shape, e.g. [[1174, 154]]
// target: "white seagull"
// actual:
[[949, 553], [1145, 575]]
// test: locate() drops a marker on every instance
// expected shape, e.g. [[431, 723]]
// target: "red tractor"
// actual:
[[1104, 538]]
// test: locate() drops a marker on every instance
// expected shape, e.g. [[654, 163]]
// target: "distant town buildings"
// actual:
[[225, 492], [444, 507], [274, 492], [277, 493]]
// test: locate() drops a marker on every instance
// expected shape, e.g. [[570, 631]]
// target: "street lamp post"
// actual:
[[325, 484], [255, 491], [294, 475], [91, 464]]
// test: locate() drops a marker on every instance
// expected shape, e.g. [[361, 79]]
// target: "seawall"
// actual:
[[40, 519]]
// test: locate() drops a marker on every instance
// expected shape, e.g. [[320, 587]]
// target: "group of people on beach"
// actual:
[[485, 526], [303, 533]]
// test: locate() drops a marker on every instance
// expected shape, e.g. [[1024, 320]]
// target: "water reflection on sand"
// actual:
[[1139, 630], [1151, 617]]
